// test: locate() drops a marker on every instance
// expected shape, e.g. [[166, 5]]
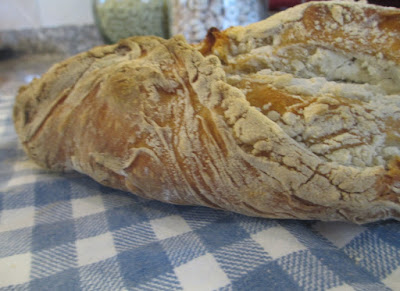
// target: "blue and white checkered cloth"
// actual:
[[70, 233]]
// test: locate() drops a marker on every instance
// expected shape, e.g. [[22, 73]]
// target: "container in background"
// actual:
[[117, 19], [193, 18]]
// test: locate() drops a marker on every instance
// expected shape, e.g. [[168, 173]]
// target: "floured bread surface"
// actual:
[[242, 122], [350, 124], [326, 73]]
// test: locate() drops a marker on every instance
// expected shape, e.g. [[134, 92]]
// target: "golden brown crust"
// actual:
[[227, 124], [345, 26]]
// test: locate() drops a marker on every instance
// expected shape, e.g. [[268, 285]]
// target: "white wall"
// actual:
[[21, 14]]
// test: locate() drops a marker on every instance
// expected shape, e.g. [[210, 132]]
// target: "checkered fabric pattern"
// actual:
[[70, 233]]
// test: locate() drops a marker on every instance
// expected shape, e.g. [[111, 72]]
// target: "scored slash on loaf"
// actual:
[[296, 116]]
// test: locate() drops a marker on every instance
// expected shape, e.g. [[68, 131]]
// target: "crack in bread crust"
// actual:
[[216, 125]]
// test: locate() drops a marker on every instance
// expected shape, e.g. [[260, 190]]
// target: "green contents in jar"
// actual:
[[123, 18]]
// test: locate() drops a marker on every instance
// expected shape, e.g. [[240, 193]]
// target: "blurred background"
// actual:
[[23, 14]]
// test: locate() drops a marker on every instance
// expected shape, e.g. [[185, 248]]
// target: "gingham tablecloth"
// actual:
[[70, 233]]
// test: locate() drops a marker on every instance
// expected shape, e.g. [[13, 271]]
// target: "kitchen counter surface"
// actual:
[[66, 232]]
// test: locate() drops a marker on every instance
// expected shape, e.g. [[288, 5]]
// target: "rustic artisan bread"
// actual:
[[296, 116]]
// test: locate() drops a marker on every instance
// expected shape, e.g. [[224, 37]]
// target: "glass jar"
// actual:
[[117, 19], [193, 18]]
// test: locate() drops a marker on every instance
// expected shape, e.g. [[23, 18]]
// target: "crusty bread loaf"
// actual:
[[296, 116]]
